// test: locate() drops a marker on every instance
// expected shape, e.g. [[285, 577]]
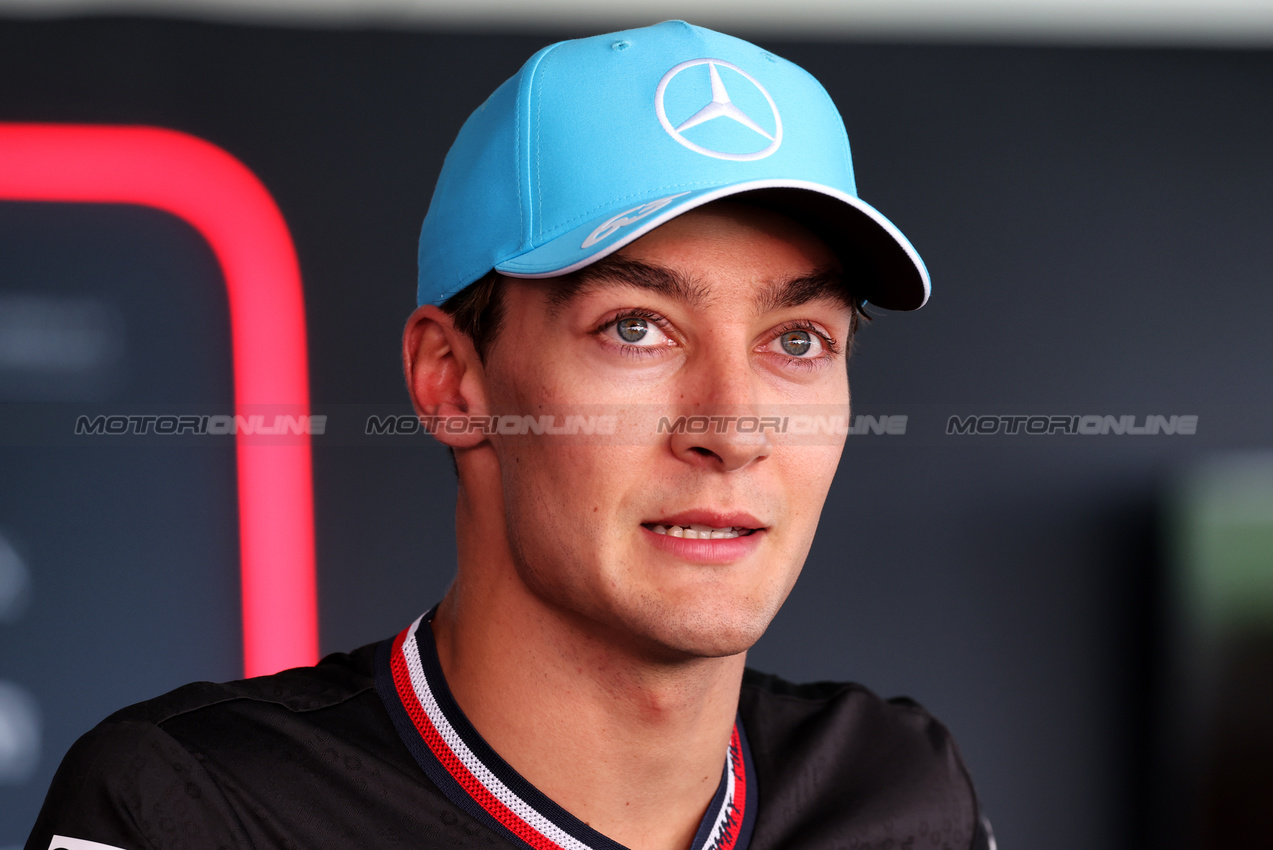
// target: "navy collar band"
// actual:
[[473, 776]]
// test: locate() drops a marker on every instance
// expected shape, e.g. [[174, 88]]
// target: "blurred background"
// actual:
[[1090, 612]]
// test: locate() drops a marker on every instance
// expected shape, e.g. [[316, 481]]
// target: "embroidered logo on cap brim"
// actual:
[[615, 223]]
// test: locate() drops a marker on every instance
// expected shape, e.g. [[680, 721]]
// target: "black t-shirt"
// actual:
[[369, 750]]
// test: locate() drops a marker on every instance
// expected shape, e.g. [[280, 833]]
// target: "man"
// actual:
[[637, 232]]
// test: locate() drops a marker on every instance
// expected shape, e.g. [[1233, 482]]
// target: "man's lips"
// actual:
[[705, 525], [707, 537]]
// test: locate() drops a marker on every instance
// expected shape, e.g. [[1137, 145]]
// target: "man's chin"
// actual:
[[683, 638]]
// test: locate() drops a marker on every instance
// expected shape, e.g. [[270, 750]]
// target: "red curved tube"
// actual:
[[217, 195]]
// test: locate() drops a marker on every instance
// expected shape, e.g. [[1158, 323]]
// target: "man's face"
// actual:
[[729, 309]]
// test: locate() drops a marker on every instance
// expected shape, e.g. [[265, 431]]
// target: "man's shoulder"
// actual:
[[833, 757], [336, 679], [246, 718], [784, 707], [298, 758]]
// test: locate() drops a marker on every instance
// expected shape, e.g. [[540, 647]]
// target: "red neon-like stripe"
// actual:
[[217, 195], [448, 758], [735, 826]]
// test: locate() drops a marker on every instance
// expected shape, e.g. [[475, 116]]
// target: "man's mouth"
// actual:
[[700, 532]]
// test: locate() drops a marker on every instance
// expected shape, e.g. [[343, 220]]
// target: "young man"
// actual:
[[651, 227]]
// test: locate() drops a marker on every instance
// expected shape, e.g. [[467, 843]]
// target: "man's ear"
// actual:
[[444, 375]]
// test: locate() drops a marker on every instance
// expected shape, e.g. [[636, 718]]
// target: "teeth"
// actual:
[[698, 532]]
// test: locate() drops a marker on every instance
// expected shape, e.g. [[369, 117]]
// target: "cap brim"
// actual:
[[882, 266]]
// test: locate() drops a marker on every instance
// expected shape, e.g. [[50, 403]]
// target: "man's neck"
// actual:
[[633, 747]]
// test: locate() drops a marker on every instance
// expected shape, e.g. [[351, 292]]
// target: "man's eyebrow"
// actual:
[[794, 291], [788, 292], [626, 272]]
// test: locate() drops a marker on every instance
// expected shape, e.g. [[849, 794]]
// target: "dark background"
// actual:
[[1097, 225]]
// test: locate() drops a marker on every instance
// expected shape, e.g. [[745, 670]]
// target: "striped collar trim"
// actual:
[[474, 778]]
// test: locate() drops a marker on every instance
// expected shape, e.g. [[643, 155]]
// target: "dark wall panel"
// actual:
[[126, 546]]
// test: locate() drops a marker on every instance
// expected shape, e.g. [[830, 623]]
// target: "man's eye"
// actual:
[[632, 330], [637, 331], [799, 343]]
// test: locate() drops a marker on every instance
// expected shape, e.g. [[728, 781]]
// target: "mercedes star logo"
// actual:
[[719, 107]]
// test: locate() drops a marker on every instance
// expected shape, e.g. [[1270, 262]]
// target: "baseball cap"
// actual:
[[596, 141]]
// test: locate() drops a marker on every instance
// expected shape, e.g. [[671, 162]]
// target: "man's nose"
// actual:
[[721, 420]]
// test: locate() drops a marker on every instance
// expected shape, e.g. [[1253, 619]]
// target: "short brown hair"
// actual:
[[477, 311]]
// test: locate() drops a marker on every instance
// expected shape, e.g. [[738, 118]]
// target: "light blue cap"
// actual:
[[598, 140]]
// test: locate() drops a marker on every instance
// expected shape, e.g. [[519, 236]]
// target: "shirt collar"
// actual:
[[473, 776]]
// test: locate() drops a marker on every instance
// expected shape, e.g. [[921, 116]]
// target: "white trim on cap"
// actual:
[[725, 192]]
